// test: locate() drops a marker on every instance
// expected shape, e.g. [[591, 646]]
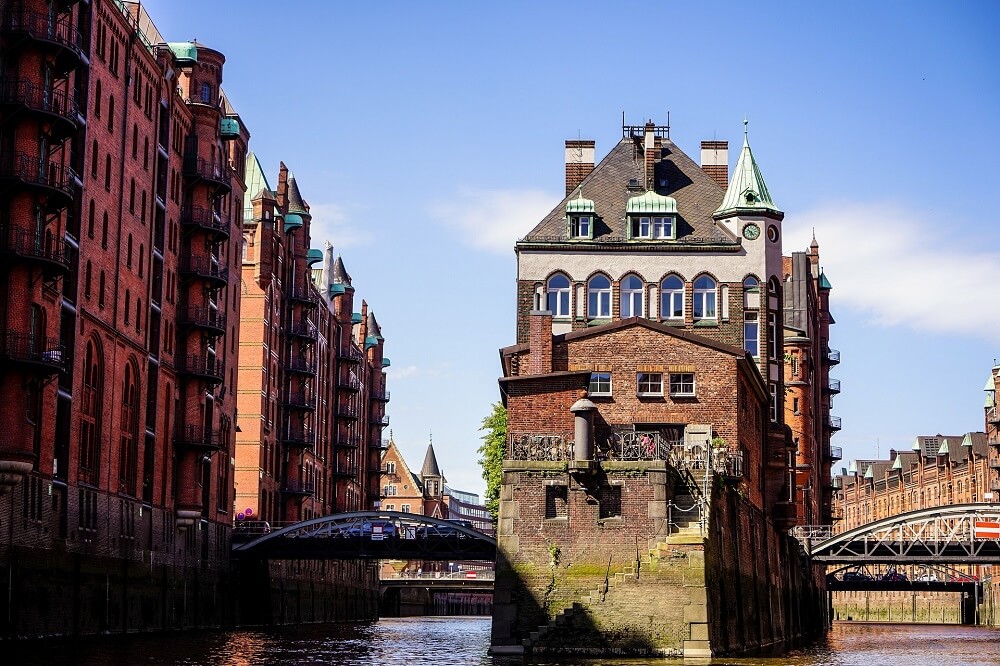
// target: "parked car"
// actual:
[[856, 576], [447, 530], [894, 577], [928, 578], [376, 530], [964, 578]]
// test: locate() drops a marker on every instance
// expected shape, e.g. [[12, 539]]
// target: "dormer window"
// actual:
[[652, 216], [580, 216]]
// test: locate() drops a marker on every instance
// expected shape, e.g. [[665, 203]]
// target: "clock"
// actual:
[[751, 231]]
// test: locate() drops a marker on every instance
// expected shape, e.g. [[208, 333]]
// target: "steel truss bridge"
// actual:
[[364, 535], [941, 535]]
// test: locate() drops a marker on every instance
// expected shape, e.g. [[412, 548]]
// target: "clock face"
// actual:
[[751, 231]]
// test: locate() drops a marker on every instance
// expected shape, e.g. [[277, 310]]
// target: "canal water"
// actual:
[[463, 641]]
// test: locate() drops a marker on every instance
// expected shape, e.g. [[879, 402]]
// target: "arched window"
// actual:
[[599, 297], [558, 295], [632, 289], [90, 415], [672, 298], [704, 298], [128, 454]]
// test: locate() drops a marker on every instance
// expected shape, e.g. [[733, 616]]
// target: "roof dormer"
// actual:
[[651, 216], [580, 218]]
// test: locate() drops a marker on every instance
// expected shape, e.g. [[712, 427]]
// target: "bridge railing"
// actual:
[[468, 574]]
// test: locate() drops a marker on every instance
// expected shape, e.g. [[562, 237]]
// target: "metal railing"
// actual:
[[36, 245], [380, 395], [833, 386], [351, 383], [300, 400], [37, 171], [833, 422], [351, 353], [299, 487], [204, 318], [298, 437], [303, 328], [38, 98], [303, 293], [198, 437], [58, 30], [821, 532], [836, 453], [303, 365], [198, 167], [833, 356], [205, 267], [24, 347], [211, 368], [347, 410], [467, 574], [205, 218], [382, 421]]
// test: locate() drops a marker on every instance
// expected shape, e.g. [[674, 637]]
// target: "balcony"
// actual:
[[41, 355], [380, 395], [303, 488], [57, 108], [23, 170], [210, 320], [993, 442], [57, 35], [302, 366], [37, 248], [298, 438], [352, 384], [300, 400], [993, 416], [214, 174], [833, 423], [836, 453], [381, 422], [347, 442], [302, 329], [303, 294], [833, 386], [345, 469], [832, 356], [198, 437], [351, 354], [205, 268], [347, 411], [205, 219], [211, 370]]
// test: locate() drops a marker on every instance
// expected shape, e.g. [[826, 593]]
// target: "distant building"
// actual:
[[992, 414]]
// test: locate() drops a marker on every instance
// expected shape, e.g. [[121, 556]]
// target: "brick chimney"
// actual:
[[715, 161], [579, 162], [540, 342], [649, 154]]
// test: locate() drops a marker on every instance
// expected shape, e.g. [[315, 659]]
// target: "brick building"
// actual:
[[312, 384], [647, 409], [121, 180]]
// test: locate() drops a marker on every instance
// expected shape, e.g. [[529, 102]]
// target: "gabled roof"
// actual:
[[407, 473], [696, 194], [256, 184], [747, 193]]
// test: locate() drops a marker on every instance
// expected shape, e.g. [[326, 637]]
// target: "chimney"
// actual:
[[649, 153], [540, 342], [579, 162], [282, 188], [715, 161]]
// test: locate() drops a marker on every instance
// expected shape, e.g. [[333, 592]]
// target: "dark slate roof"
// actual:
[[295, 202], [373, 327], [340, 275], [430, 467], [697, 196]]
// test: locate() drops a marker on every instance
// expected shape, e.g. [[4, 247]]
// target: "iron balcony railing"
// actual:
[[206, 318], [993, 442], [347, 410], [39, 172], [347, 441], [38, 98], [833, 356], [298, 437], [345, 469], [833, 386], [382, 421], [59, 31], [351, 353], [211, 369], [198, 217], [36, 246], [198, 168], [836, 453], [381, 395], [206, 268], [833, 422], [302, 328], [351, 383], [303, 294], [296, 487], [993, 415], [194, 436], [46, 354], [301, 365], [300, 400]]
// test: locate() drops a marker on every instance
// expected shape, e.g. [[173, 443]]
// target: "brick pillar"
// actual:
[[715, 161], [579, 162], [540, 342]]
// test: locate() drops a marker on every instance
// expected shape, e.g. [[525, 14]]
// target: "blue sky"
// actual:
[[428, 137]]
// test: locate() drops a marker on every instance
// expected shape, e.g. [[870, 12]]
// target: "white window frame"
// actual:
[[390, 467], [632, 297], [598, 299], [671, 297], [558, 296], [751, 317], [581, 226], [597, 382], [705, 299], [405, 508], [649, 384], [663, 228], [389, 490], [678, 380]]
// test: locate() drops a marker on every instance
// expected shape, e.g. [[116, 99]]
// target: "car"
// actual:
[[856, 576], [964, 578], [376, 530], [447, 530], [928, 578], [894, 577]]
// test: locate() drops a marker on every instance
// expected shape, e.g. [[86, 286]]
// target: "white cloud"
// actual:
[[904, 267], [493, 220], [329, 223], [405, 372]]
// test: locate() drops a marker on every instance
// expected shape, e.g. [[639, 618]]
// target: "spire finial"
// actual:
[[746, 140]]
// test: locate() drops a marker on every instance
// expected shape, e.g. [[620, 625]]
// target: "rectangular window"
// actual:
[[389, 507], [772, 336], [405, 508], [600, 383], [610, 502], [390, 468], [389, 490], [773, 389], [652, 227], [649, 383], [556, 499], [751, 332], [663, 227], [581, 226], [681, 384]]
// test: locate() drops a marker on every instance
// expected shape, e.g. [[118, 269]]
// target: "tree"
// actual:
[[493, 451]]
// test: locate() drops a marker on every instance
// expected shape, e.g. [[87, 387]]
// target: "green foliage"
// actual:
[[492, 451]]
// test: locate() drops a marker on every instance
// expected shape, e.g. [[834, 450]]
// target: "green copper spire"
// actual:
[[256, 182], [943, 451], [747, 194]]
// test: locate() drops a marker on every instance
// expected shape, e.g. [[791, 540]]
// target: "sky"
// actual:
[[428, 137]]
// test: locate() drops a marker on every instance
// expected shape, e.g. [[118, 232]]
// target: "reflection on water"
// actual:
[[462, 641]]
